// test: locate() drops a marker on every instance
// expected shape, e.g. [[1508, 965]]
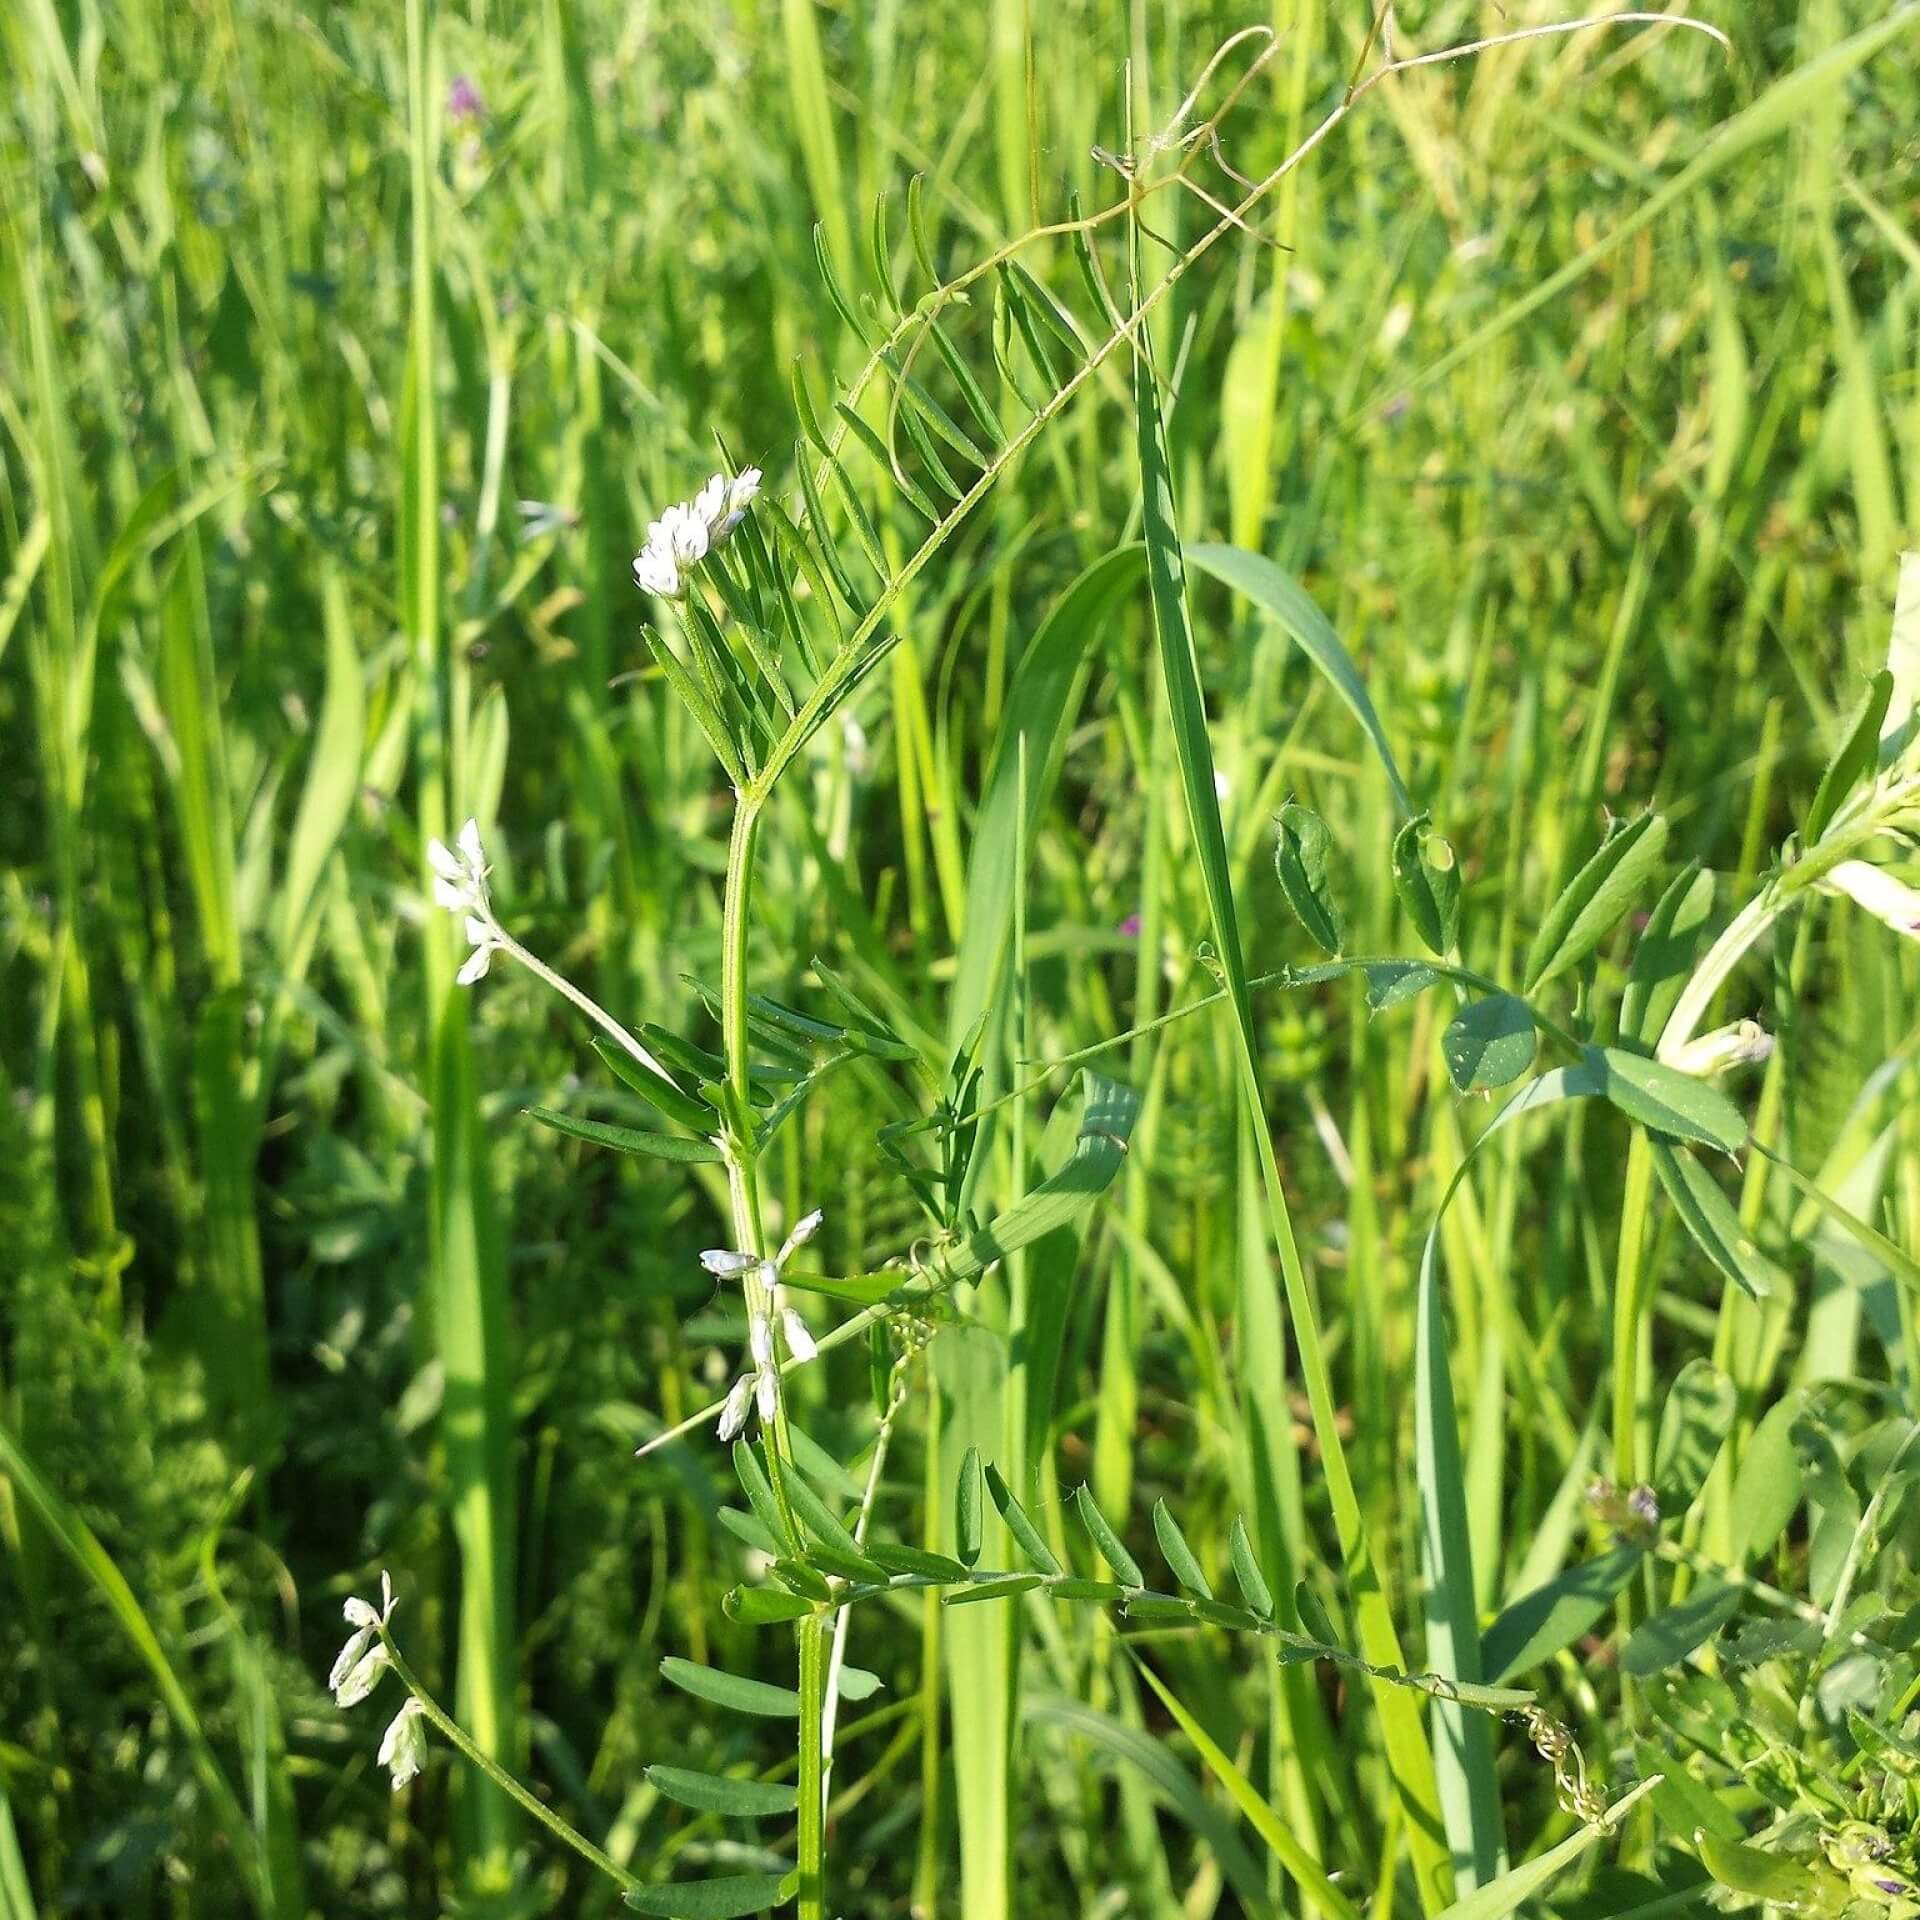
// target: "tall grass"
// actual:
[[1542, 456]]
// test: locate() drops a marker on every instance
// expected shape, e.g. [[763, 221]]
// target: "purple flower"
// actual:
[[1130, 926], [463, 100]]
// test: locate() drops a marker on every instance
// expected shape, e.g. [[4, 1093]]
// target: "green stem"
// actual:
[[749, 1237], [501, 1778]]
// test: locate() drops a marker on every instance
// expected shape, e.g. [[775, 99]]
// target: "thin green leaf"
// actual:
[[1595, 898], [967, 1515], [730, 1896], [1105, 1540], [660, 1146], [734, 1691], [721, 1793], [1709, 1216], [1301, 1867], [1179, 1555], [1303, 858], [1665, 1099], [1552, 1617], [1025, 1533]]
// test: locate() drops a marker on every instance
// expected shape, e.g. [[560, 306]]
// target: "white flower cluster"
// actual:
[[685, 534], [759, 1386], [403, 1748], [460, 885]]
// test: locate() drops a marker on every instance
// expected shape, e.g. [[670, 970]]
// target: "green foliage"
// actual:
[[1503, 476]]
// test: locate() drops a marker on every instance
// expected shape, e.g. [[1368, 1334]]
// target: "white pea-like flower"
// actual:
[[733, 1411], [742, 490], [1889, 899], [486, 943], [363, 1659], [460, 885], [403, 1747], [688, 531], [656, 571], [710, 503], [460, 871], [1740, 1043], [683, 533], [759, 1387]]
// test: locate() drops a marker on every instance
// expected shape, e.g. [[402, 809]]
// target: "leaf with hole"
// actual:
[[1426, 875]]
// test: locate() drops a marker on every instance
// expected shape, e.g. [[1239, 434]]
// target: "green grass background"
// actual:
[[329, 423]]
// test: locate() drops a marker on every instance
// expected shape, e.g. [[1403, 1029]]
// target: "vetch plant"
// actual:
[[775, 615]]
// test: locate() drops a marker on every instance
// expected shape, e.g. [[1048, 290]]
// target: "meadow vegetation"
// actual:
[[1145, 1143]]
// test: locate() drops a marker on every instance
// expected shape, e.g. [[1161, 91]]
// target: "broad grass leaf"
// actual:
[[730, 1896], [1490, 1043], [658, 1146], [1667, 1639], [734, 1691], [1409, 1751], [1041, 703], [1302, 856], [1276, 592], [720, 1793], [1693, 1425], [1666, 1100], [1595, 898], [1552, 1617]]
